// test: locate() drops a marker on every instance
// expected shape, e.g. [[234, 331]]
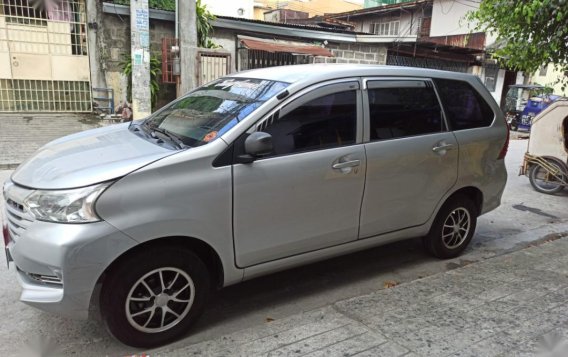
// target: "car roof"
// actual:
[[329, 71]]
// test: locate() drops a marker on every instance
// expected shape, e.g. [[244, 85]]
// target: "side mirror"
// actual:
[[256, 145]]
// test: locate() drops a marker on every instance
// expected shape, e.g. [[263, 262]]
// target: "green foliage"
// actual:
[[545, 90], [168, 5], [204, 27], [155, 71], [534, 32]]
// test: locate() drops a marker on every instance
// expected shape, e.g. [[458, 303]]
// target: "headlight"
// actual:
[[66, 206]]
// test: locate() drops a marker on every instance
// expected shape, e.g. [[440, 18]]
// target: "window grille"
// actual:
[[44, 96]]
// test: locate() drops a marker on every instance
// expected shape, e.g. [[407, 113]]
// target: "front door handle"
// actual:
[[346, 164], [442, 147]]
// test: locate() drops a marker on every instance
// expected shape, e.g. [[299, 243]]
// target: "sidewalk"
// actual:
[[504, 306], [22, 134]]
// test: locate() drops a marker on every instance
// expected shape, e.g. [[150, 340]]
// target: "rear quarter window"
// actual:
[[464, 106]]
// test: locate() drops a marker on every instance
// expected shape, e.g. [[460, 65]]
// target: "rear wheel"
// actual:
[[153, 297], [544, 182], [453, 228]]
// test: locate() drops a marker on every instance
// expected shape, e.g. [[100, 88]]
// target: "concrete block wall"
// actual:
[[355, 53], [117, 36], [116, 32]]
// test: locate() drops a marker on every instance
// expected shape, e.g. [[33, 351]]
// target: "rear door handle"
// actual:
[[442, 147], [346, 164]]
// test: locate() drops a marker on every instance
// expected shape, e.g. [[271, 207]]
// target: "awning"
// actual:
[[284, 46]]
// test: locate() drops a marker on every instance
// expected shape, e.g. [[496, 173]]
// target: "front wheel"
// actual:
[[152, 297], [543, 181], [453, 228]]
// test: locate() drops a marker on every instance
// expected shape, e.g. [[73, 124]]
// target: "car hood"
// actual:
[[88, 158]]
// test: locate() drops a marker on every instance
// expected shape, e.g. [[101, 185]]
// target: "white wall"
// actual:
[[447, 17], [363, 23], [480, 72], [230, 8], [499, 86]]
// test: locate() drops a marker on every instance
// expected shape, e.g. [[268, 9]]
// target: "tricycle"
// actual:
[[546, 159], [524, 102]]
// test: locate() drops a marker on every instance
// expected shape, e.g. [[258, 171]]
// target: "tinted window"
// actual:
[[325, 122], [399, 112], [464, 106]]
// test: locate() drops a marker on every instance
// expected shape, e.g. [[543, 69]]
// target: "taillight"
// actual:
[[505, 148]]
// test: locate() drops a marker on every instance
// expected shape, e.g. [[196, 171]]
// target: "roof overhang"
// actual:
[[274, 29], [467, 43], [293, 47], [124, 10]]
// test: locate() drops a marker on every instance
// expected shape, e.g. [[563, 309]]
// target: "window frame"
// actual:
[[298, 99], [397, 82], [385, 28]]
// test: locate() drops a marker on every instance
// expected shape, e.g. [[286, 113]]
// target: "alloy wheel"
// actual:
[[160, 300], [456, 228]]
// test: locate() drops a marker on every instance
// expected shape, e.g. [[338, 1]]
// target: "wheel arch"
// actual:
[[472, 192], [204, 251]]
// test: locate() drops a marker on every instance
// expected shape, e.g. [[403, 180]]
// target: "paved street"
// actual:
[[490, 298]]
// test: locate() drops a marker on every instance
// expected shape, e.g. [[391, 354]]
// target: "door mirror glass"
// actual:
[[258, 144]]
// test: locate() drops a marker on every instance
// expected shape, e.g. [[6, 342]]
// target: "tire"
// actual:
[[543, 187], [126, 294], [445, 240]]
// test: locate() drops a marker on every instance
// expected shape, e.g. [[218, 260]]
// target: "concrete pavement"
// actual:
[[504, 306]]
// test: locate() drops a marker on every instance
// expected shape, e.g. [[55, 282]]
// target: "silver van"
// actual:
[[248, 175]]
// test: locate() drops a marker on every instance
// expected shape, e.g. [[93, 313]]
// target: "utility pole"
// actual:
[[187, 44], [140, 55]]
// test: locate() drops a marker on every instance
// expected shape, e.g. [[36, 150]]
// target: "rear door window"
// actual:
[[401, 108], [464, 106]]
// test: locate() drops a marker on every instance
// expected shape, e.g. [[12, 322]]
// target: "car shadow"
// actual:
[[337, 279]]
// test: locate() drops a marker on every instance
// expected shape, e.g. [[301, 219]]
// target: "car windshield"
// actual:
[[206, 113]]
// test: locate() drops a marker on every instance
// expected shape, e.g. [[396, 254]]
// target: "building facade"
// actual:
[[433, 34], [245, 44], [44, 64], [551, 76], [312, 7]]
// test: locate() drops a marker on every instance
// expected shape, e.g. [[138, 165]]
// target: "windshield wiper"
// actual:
[[173, 137]]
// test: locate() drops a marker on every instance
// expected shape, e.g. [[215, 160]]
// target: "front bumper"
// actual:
[[71, 256]]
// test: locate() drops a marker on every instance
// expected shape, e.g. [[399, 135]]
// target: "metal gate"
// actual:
[[251, 59], [44, 64], [212, 65]]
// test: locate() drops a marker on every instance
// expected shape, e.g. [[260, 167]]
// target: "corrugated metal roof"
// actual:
[[475, 41], [284, 46], [292, 25]]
